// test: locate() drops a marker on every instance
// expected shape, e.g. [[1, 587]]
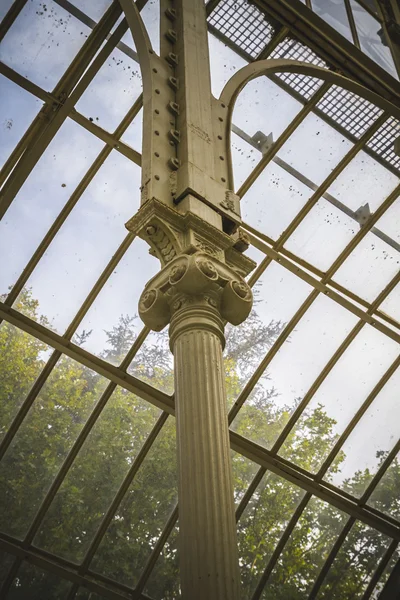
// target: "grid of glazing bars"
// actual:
[[274, 251], [244, 24], [340, 105]]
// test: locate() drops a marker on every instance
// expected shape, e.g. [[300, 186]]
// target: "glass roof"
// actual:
[[88, 474]]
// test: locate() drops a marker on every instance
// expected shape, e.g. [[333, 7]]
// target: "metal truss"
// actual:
[[58, 105]]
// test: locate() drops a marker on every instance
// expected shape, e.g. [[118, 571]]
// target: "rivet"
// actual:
[[156, 154], [223, 105], [157, 91], [219, 118], [220, 137], [223, 179], [157, 132], [221, 158], [157, 111], [157, 177], [154, 70]]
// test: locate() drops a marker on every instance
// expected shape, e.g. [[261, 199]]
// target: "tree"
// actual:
[[58, 415]]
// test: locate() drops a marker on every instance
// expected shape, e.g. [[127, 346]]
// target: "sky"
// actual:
[[95, 228]]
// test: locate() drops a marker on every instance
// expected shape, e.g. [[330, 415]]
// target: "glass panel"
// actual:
[[95, 10], [247, 343], [243, 471], [386, 494], [322, 235], [305, 552], [274, 199], [391, 306], [261, 526], [142, 514], [371, 38], [21, 360], [375, 435], [111, 324], [151, 18], [6, 560], [119, 77], [255, 104], [386, 574], [154, 362], [43, 441], [374, 262], [36, 584], [354, 564], [97, 473], [133, 134], [289, 376], [17, 109], [5, 7], [338, 398], [334, 13], [364, 179], [244, 159], [314, 149], [164, 580], [33, 44], [86, 242], [224, 62], [43, 195]]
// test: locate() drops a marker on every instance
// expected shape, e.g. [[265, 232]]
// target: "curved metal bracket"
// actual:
[[251, 71]]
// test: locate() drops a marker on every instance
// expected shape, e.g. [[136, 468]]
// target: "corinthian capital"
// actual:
[[195, 281]]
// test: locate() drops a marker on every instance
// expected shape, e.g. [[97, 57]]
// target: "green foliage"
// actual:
[[57, 417]]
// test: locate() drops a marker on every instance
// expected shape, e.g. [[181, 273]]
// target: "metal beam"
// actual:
[[310, 29], [68, 570]]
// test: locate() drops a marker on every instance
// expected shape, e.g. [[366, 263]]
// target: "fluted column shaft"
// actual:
[[208, 546]]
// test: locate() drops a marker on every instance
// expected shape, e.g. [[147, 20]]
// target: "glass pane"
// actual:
[[95, 10], [43, 441], [354, 564], [6, 560], [322, 235], [154, 362], [21, 361], [314, 149], [143, 513], [86, 242], [371, 38], [374, 262], [386, 494], [5, 7], [133, 134], [261, 526], [289, 376], [305, 552], [42, 41], [376, 434], [96, 475], [338, 398], [386, 574], [335, 14], [119, 77], [36, 584], [243, 472], [224, 62], [151, 18], [255, 104], [164, 579], [43, 195], [17, 109], [112, 323], [278, 295], [275, 198], [391, 306], [364, 179]]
